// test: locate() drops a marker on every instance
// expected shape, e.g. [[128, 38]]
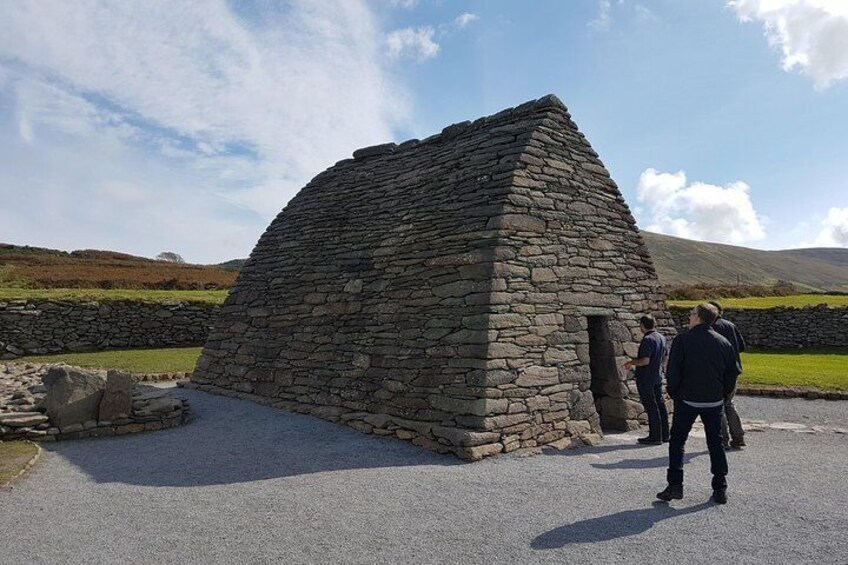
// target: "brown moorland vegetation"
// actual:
[[32, 267]]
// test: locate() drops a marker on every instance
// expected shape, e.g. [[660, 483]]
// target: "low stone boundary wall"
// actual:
[[792, 392], [38, 327], [774, 328]]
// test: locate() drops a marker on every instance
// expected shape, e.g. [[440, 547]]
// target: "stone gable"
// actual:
[[474, 292]]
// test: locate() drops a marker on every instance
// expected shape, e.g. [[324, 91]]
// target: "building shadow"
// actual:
[[237, 441], [655, 462], [618, 525], [597, 449]]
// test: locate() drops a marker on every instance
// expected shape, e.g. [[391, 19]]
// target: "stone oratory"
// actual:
[[474, 292]]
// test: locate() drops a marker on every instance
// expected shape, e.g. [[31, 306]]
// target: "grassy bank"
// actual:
[[106, 295], [818, 368], [794, 301], [14, 457], [174, 360]]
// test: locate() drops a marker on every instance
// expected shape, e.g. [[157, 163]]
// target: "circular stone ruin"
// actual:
[[48, 402]]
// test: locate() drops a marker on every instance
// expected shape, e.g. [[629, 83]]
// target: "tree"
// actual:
[[170, 257]]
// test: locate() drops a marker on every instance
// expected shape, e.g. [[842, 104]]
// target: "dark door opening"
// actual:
[[606, 385]]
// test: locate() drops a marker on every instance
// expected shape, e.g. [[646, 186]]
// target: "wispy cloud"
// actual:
[[414, 42], [463, 20], [129, 125], [603, 20], [812, 35], [674, 206], [422, 43]]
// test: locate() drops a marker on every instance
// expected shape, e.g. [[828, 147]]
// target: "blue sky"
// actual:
[[151, 126]]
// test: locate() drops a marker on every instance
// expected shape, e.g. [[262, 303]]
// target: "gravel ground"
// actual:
[[250, 484]]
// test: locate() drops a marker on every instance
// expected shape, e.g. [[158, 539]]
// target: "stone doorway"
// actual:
[[606, 385]]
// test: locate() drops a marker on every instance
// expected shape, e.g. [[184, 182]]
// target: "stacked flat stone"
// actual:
[[38, 327], [784, 327], [117, 406], [438, 291]]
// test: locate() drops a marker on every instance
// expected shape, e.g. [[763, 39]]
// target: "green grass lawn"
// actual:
[[105, 295], [796, 301], [818, 368], [174, 360]]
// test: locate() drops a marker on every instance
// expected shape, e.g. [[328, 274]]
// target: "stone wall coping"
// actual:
[[792, 392]]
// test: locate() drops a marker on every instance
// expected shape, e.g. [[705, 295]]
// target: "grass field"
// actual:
[[819, 368], [174, 360], [14, 456], [104, 295], [796, 301]]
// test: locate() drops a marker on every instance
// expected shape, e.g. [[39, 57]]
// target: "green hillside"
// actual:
[[682, 261]]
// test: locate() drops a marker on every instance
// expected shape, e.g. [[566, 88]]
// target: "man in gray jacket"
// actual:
[[732, 434], [701, 372]]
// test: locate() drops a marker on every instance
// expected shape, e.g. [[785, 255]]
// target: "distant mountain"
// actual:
[[678, 262], [832, 255], [235, 264], [683, 261], [37, 267]]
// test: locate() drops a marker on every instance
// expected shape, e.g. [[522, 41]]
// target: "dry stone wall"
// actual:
[[442, 291], [773, 328], [37, 327]]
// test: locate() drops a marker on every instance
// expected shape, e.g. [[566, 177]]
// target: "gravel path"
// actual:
[[250, 484]]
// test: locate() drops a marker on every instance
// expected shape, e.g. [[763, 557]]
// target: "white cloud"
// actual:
[[812, 35], [217, 117], [414, 42], [834, 231], [407, 4], [602, 22], [723, 214], [463, 20]]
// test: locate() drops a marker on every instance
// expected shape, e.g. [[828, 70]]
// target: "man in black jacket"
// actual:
[[701, 372], [732, 434]]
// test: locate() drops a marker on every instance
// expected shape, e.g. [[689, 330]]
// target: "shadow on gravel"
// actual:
[[645, 463], [236, 441], [619, 525], [600, 449]]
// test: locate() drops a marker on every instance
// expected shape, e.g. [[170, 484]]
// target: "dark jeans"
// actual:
[[652, 400], [684, 417]]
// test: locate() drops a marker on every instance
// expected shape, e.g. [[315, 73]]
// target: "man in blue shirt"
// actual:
[[649, 366]]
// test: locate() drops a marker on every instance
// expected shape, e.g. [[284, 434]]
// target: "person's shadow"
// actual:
[[645, 463], [619, 525]]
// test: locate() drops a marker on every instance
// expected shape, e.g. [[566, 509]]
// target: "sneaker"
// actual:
[[737, 445], [671, 492], [666, 439], [719, 496], [649, 441]]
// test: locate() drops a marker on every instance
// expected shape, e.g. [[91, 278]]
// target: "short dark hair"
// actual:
[[717, 304], [706, 312], [648, 321]]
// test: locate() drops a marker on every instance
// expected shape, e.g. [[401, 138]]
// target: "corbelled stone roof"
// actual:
[[440, 290]]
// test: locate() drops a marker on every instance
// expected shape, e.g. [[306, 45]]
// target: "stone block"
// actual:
[[117, 396], [73, 396], [536, 375]]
